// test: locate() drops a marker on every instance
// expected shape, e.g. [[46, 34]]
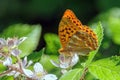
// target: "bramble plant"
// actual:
[[19, 67], [20, 61]]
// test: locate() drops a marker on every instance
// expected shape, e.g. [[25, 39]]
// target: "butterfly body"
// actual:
[[75, 37]]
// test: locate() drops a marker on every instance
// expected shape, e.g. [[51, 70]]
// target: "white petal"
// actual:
[[54, 63], [28, 73], [65, 65], [49, 77], [21, 40], [11, 73], [29, 63], [8, 61], [38, 67], [75, 59], [15, 52], [2, 42], [24, 62]]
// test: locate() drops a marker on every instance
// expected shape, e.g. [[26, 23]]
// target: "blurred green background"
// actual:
[[49, 12]]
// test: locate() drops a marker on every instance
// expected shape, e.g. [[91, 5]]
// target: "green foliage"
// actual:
[[52, 43], [114, 25], [7, 78], [36, 56], [32, 32], [106, 69], [72, 75], [111, 22], [2, 68], [99, 32], [103, 69]]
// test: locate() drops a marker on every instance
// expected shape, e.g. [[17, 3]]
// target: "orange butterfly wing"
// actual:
[[75, 37], [67, 26]]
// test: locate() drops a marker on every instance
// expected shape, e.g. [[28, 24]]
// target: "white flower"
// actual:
[[66, 62], [39, 73]]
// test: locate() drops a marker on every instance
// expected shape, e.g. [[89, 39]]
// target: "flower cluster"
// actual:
[[9, 49]]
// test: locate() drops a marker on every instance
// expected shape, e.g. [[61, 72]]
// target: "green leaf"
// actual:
[[7, 78], [36, 56], [24, 30], [106, 69], [114, 25], [2, 68], [99, 33], [52, 43], [72, 75]]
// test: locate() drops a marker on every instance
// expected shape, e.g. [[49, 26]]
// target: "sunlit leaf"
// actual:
[[106, 69], [72, 75], [52, 43]]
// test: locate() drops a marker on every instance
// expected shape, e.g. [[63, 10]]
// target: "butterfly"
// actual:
[[75, 37]]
